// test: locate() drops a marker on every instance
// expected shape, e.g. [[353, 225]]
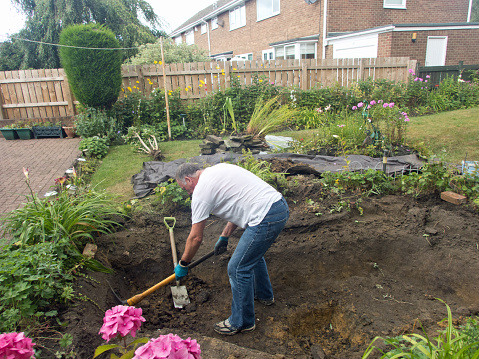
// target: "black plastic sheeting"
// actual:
[[156, 172]]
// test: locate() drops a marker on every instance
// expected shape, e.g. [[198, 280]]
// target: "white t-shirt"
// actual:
[[232, 193]]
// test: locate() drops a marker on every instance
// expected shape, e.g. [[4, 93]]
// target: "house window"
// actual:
[[394, 4], [308, 50], [178, 40], [214, 23], [268, 54], [266, 8], [203, 28], [190, 37], [279, 53], [289, 52], [237, 17]]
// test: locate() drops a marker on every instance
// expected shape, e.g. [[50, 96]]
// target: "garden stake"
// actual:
[[179, 293], [139, 297]]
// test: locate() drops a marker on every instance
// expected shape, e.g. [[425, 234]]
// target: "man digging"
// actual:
[[244, 200]]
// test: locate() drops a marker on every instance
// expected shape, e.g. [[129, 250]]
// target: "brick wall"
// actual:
[[297, 19], [456, 48], [351, 15]]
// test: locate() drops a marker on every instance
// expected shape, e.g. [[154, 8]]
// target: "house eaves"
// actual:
[[309, 38], [206, 14], [404, 27]]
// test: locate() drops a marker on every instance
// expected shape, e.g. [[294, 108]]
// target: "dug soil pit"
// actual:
[[340, 278]]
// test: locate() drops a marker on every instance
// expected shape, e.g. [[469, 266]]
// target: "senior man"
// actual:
[[244, 200]]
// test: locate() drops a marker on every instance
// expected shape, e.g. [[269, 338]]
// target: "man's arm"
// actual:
[[193, 241], [229, 229]]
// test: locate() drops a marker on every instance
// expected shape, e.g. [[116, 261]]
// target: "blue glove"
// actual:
[[180, 271], [221, 245]]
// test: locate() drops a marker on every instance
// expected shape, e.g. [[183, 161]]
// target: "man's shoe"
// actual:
[[266, 302], [225, 328]]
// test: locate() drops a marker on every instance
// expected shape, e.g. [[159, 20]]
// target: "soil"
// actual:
[[340, 278]]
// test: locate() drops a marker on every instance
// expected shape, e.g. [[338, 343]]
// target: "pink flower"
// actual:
[[373, 102], [425, 81], [16, 346], [169, 346], [121, 319], [380, 101], [361, 104], [411, 71], [417, 78], [385, 105], [354, 108], [369, 106], [341, 126], [428, 77], [25, 172], [420, 79], [391, 104]]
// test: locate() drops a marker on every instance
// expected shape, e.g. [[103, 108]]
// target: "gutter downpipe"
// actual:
[[469, 11], [208, 32], [325, 14]]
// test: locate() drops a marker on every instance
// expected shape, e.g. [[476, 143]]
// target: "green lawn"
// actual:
[[449, 135]]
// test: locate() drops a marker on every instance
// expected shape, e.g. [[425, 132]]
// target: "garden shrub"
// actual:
[[94, 122], [95, 146], [94, 75]]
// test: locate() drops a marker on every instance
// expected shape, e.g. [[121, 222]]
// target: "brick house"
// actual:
[[434, 32]]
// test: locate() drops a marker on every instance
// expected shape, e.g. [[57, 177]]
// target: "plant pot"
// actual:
[[24, 133], [53, 131], [9, 133], [70, 131]]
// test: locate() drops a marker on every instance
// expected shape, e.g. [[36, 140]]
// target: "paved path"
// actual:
[[46, 159]]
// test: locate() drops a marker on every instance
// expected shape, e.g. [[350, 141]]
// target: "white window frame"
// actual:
[[178, 40], [204, 28], [271, 10], [237, 17], [297, 49], [190, 37], [387, 5], [269, 54], [214, 23]]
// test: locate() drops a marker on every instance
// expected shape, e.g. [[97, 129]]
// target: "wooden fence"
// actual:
[[45, 94], [439, 73]]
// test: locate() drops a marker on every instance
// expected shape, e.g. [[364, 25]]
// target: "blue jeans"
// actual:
[[247, 269]]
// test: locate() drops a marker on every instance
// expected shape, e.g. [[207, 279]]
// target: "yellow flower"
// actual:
[[189, 87], [223, 73], [156, 62], [260, 80], [239, 76], [159, 62], [137, 82], [261, 65], [128, 206], [234, 69], [202, 82], [134, 87], [201, 85], [216, 76], [123, 89], [162, 190], [217, 67], [129, 88], [186, 88]]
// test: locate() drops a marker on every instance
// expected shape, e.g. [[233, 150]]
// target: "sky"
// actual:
[[175, 12]]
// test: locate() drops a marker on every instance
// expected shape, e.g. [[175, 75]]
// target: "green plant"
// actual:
[[94, 75], [94, 146], [228, 108], [92, 122], [268, 116], [450, 343], [262, 169], [171, 196]]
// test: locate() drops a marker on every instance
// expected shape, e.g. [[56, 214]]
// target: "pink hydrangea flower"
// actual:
[[16, 346], [122, 320], [169, 347]]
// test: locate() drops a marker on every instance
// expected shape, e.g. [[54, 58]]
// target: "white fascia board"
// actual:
[[207, 17], [435, 28], [293, 42], [361, 33]]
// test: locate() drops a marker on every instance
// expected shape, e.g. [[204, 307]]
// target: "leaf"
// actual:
[[103, 348]]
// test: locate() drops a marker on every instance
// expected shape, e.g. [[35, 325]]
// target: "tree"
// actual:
[[173, 53], [94, 75], [11, 55], [47, 18]]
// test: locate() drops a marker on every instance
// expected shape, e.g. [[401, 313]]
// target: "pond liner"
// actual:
[[155, 172]]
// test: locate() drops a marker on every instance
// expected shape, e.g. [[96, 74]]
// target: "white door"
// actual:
[[436, 50]]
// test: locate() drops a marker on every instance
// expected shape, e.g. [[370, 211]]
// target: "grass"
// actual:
[[449, 135], [122, 162]]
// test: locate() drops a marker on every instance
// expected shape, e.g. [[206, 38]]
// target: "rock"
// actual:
[[214, 139], [317, 352]]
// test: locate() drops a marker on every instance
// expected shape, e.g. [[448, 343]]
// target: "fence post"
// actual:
[[141, 78], [1, 105], [68, 95], [304, 76], [227, 74], [361, 69]]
